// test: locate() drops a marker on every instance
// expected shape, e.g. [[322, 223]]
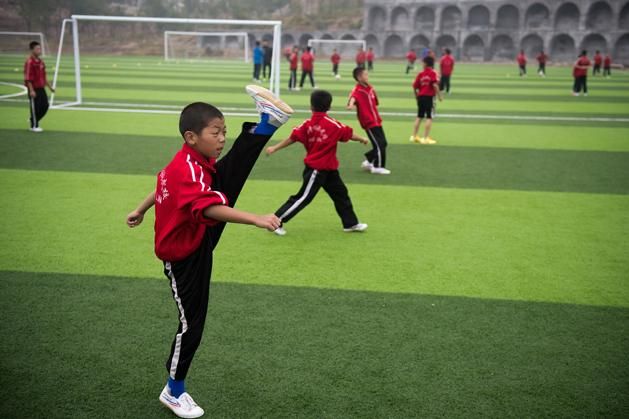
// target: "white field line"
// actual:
[[23, 90]]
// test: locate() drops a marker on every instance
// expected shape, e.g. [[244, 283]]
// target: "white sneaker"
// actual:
[[380, 171], [280, 231], [366, 166], [358, 228], [297, 89], [267, 102], [338, 76], [182, 406], [37, 129]]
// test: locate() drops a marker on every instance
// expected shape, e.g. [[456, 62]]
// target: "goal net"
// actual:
[[17, 42], [119, 62], [190, 45], [347, 48]]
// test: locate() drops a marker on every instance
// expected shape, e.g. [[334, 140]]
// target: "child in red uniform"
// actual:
[[194, 198], [580, 74], [36, 82], [598, 61], [307, 67], [411, 57], [320, 135], [361, 57], [522, 63], [370, 57], [541, 61], [292, 59], [446, 65], [426, 87], [336, 60], [364, 99], [607, 66]]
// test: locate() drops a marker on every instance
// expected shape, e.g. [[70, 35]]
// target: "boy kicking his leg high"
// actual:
[[320, 135], [194, 198]]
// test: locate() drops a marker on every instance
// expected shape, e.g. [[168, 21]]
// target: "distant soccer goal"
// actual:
[[190, 45], [17, 42], [345, 47]]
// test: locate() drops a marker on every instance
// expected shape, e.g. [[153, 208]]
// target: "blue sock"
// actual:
[[176, 387], [264, 127]]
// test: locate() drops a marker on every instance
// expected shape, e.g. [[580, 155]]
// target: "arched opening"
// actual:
[[502, 48], [419, 42], [623, 19], [327, 36], [508, 17], [537, 16], [372, 41], [567, 17], [451, 18], [599, 17], [348, 37], [400, 20], [594, 42], [288, 40], [478, 18], [425, 19], [394, 46], [621, 51], [267, 37], [474, 48], [377, 19], [324, 48], [446, 41], [562, 48], [303, 40], [532, 45]]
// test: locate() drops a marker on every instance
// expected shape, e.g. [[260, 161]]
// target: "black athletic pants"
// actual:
[[596, 69], [581, 83], [190, 278], [38, 106], [335, 69], [266, 65], [542, 68], [256, 71], [369, 65], [378, 154], [331, 182], [444, 84], [607, 71], [522, 70], [303, 78], [292, 80], [409, 67]]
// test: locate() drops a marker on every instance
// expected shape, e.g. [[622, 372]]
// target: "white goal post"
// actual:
[[274, 82], [40, 35], [359, 42], [169, 34]]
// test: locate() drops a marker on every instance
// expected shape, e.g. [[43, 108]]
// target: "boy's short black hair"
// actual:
[[320, 100], [429, 61], [448, 51], [197, 116], [257, 43], [584, 53], [33, 44], [357, 72]]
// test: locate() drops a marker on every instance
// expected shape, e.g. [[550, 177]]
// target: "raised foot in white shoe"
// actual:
[[280, 231], [183, 406], [380, 171], [366, 166], [357, 228], [266, 102]]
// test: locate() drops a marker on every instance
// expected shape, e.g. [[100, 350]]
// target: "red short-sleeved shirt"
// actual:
[[521, 59], [360, 58], [320, 135], [446, 65], [370, 55], [541, 58], [584, 62], [35, 72], [424, 82], [411, 56], [307, 61], [335, 58], [607, 62], [293, 61], [184, 190], [598, 59], [366, 106]]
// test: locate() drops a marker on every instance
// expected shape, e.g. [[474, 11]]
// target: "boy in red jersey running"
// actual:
[[580, 74], [522, 63], [307, 67], [426, 87], [292, 60], [336, 60], [607, 66], [320, 135], [370, 57], [411, 57], [446, 65], [541, 61], [363, 98], [36, 82]]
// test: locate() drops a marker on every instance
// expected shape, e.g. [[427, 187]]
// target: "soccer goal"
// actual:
[[17, 42], [124, 50], [190, 45], [345, 47]]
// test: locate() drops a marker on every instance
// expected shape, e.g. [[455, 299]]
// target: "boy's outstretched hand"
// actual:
[[269, 222], [270, 150], [134, 218]]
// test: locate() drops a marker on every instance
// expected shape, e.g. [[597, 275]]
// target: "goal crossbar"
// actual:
[[42, 39], [168, 34]]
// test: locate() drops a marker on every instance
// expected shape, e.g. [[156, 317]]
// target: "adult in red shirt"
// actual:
[[307, 67], [411, 57], [522, 63], [363, 98], [446, 66], [336, 60], [36, 82], [607, 66], [361, 57], [370, 57], [320, 135], [580, 73], [598, 62], [542, 58], [292, 60], [426, 87]]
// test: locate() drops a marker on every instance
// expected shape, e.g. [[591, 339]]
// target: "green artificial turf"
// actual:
[[492, 280]]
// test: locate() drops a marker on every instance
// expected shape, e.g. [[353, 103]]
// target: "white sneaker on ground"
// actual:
[[267, 102], [380, 171], [37, 129], [366, 166], [280, 231], [357, 228], [182, 406]]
